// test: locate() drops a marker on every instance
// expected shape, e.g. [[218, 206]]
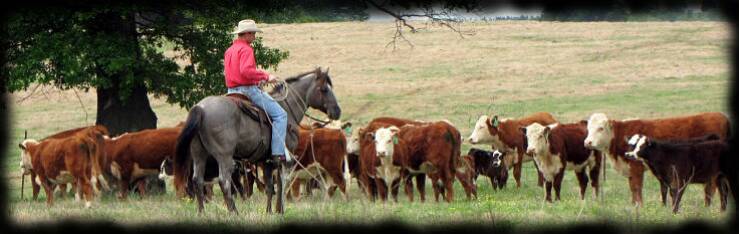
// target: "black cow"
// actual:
[[490, 164], [678, 163]]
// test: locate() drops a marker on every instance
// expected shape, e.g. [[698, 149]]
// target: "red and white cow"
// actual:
[[432, 149], [557, 147]]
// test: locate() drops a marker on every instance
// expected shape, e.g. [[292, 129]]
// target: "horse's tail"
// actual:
[[182, 149]]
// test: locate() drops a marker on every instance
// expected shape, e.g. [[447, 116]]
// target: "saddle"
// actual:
[[248, 107], [259, 115]]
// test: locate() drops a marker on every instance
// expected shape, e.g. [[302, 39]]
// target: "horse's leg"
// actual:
[[225, 171], [281, 188], [267, 177], [198, 166]]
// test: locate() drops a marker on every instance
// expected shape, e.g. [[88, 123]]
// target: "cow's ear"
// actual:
[[584, 121], [394, 130], [494, 121], [547, 131], [23, 147], [626, 139], [523, 130]]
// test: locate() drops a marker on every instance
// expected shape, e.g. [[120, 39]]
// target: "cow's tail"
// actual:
[[729, 125], [182, 149], [454, 138], [97, 153]]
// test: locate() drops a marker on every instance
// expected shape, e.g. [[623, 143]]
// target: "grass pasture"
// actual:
[[509, 68]]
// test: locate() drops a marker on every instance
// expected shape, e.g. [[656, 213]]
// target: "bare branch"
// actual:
[[81, 104], [444, 18]]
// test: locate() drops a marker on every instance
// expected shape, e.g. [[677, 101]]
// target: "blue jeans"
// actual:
[[274, 111]]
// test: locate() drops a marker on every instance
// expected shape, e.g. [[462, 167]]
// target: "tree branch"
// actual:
[[443, 18]]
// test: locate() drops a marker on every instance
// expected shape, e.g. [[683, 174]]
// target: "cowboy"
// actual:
[[242, 76]]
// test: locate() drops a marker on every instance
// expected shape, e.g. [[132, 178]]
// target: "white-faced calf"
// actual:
[[677, 164]]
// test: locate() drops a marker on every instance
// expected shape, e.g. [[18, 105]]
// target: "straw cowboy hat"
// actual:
[[246, 26]]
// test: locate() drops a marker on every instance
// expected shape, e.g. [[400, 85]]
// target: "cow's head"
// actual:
[[637, 145], [537, 138], [485, 131], [385, 140], [25, 163], [165, 170], [600, 132], [497, 158], [352, 141]]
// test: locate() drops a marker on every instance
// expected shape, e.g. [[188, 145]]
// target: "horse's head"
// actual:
[[321, 95]]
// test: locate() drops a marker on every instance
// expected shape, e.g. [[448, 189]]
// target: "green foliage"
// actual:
[[122, 46]]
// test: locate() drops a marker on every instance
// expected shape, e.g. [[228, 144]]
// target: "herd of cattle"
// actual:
[[389, 151]]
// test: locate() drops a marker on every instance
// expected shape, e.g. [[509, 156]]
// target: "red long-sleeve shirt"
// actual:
[[240, 67]]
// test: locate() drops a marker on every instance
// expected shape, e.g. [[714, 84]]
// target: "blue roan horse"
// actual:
[[218, 128]]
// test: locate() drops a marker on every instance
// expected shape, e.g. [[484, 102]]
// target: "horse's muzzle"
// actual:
[[334, 113]]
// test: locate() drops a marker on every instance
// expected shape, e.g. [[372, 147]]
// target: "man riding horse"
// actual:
[[242, 76], [219, 128]]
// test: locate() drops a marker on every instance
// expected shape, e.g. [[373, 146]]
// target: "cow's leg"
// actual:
[[237, 186], [595, 178], [49, 192], [63, 190], [225, 173], [558, 182], [142, 187], [663, 192], [269, 184], [493, 182], [636, 180], [540, 177], [448, 185], [723, 191], [248, 184], [295, 190], [87, 190], [548, 190], [394, 187], [517, 170], [421, 186], [678, 198], [409, 187], [582, 179], [208, 192], [123, 186], [34, 186], [338, 179], [381, 189], [709, 189], [368, 182]]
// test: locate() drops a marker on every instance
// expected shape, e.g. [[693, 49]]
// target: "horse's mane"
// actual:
[[297, 77]]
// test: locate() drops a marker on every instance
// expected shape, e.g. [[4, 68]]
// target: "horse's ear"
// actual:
[[326, 72]]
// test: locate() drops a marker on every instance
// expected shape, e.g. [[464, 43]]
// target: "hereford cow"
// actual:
[[137, 155], [93, 134], [608, 136], [557, 147], [321, 154], [677, 164], [504, 135], [71, 159], [490, 164], [368, 160], [432, 149]]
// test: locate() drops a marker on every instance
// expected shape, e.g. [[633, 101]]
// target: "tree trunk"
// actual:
[[133, 114], [122, 112]]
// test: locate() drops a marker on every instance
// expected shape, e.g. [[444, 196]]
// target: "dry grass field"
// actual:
[[509, 68]]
